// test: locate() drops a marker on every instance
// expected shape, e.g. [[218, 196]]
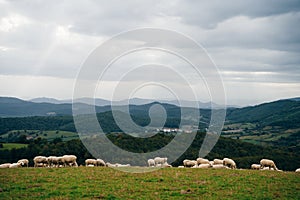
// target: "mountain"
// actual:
[[133, 101], [277, 113], [48, 100]]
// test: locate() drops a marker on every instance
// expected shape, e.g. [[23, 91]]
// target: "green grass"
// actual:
[[171, 183], [49, 135], [9, 146]]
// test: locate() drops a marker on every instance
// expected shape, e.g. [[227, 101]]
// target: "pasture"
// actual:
[[9, 146], [167, 183]]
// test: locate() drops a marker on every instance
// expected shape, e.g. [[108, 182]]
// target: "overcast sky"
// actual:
[[255, 44]]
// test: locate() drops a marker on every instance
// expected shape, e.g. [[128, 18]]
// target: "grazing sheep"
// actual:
[[151, 163], [218, 161], [159, 160], [91, 162], [54, 161], [5, 165], [185, 162], [202, 161], [204, 166], [220, 166], [69, 160], [255, 166], [267, 163], [211, 163], [90, 165], [40, 161], [189, 163], [15, 165], [24, 162], [180, 166], [100, 162], [297, 170], [229, 163]]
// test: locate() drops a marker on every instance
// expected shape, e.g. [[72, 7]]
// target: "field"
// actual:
[[9, 146], [33, 134], [169, 183]]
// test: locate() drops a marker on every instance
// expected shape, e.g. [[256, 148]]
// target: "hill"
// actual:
[[243, 153], [168, 183]]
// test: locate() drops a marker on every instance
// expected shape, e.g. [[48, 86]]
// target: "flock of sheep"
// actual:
[[70, 161]]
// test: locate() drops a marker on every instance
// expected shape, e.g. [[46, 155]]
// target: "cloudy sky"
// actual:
[[255, 44]]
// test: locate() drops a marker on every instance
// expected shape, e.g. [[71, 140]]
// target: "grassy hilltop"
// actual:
[[171, 183]]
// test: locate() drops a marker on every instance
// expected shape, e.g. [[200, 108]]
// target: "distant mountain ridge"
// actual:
[[133, 101]]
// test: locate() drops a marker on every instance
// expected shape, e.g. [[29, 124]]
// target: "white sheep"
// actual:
[[202, 161], [229, 163], [5, 165], [159, 160], [110, 165], [91, 162], [55, 161], [40, 161], [220, 166], [218, 161], [297, 170], [15, 165], [267, 163], [180, 166], [166, 165], [151, 163], [122, 165], [24, 162], [190, 163], [69, 160], [100, 162], [204, 166], [255, 166]]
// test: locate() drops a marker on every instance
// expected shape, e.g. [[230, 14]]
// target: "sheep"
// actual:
[[15, 165], [122, 165], [267, 163], [266, 168], [220, 166], [218, 161], [90, 165], [159, 160], [166, 165], [23, 162], [202, 161], [185, 162], [69, 160], [40, 161], [255, 166], [110, 165], [91, 162], [190, 163], [151, 163], [100, 162], [297, 170], [204, 166], [229, 162], [180, 166], [54, 161], [5, 165]]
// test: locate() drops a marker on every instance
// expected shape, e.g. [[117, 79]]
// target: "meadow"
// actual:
[[167, 183]]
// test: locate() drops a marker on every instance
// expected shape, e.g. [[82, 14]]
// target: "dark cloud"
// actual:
[[250, 41]]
